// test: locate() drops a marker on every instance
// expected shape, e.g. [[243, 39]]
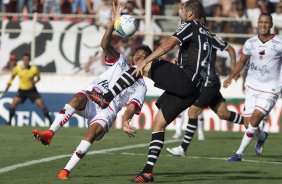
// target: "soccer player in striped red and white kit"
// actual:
[[264, 53], [100, 120]]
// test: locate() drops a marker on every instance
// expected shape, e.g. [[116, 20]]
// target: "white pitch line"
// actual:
[[209, 158], [48, 159]]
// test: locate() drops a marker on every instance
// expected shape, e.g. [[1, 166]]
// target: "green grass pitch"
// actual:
[[205, 162]]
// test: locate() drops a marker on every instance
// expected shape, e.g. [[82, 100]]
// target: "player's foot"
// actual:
[[8, 123], [176, 136], [44, 137], [176, 151], [64, 174], [260, 144], [144, 178], [235, 158], [99, 99]]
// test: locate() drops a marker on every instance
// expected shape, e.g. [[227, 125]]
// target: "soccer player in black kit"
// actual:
[[182, 84]]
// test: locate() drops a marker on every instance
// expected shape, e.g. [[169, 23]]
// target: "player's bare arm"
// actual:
[[232, 55], [238, 67], [10, 81], [110, 52], [163, 49], [127, 116]]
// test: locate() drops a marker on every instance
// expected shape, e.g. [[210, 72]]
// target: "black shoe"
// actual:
[[8, 124]]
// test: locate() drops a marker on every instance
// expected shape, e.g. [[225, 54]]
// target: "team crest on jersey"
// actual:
[[261, 54]]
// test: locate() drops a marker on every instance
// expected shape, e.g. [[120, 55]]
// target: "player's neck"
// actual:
[[265, 38]]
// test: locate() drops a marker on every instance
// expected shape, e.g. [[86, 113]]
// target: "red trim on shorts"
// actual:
[[263, 91], [261, 108], [112, 61]]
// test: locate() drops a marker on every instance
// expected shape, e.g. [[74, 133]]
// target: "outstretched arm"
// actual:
[[232, 55], [161, 50], [110, 52], [128, 114]]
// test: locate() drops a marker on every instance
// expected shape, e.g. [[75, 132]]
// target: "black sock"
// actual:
[[11, 114], [46, 114], [154, 151], [122, 83], [236, 118], [189, 133]]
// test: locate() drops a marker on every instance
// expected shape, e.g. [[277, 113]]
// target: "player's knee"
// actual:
[[78, 101]]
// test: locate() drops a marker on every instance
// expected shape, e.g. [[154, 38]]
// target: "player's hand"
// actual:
[[128, 129], [116, 11], [227, 82], [139, 70]]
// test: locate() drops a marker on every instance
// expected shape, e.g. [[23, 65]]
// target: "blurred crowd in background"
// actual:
[[224, 16]]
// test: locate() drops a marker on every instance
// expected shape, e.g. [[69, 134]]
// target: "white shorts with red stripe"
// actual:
[[261, 100]]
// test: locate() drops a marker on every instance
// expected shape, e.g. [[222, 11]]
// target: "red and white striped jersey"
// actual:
[[134, 94], [264, 64]]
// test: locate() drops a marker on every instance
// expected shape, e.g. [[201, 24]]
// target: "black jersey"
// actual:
[[217, 44], [195, 50]]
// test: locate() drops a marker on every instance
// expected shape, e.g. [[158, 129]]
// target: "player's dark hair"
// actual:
[[145, 48], [269, 15], [195, 6], [26, 54]]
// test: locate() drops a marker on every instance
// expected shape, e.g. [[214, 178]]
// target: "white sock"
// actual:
[[179, 123], [64, 116], [247, 138], [201, 134], [80, 151]]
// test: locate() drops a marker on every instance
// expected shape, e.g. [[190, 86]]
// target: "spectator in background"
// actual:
[[11, 63], [95, 65], [221, 67], [240, 25], [51, 6], [209, 7], [38, 6], [79, 3], [66, 7], [10, 6], [24, 3], [217, 25], [2, 6], [277, 19], [103, 12]]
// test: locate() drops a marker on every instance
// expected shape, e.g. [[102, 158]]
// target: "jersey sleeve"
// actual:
[[111, 62], [247, 48], [137, 98], [36, 71], [218, 43], [184, 32]]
